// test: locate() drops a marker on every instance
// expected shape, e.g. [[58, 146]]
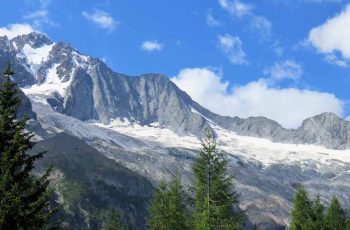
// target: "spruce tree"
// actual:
[[24, 198], [302, 210], [177, 205], [317, 215], [215, 197], [159, 217], [168, 208], [335, 216], [113, 221]]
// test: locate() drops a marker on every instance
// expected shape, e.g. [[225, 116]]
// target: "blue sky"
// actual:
[[227, 50]]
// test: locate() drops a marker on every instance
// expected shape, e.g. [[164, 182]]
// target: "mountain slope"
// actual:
[[266, 173], [89, 184]]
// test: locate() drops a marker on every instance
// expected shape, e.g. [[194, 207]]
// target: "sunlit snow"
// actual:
[[52, 84]]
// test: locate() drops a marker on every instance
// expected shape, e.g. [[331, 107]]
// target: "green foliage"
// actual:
[[71, 191], [168, 210], [317, 214], [335, 216], [347, 222], [177, 205], [24, 198], [302, 210], [215, 198], [113, 221], [307, 214], [312, 215]]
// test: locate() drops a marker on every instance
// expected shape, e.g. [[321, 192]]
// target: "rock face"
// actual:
[[88, 184], [85, 88]]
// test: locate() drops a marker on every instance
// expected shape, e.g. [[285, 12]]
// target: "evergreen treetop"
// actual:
[[24, 197], [215, 196]]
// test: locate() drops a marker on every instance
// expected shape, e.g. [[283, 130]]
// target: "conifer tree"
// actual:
[[177, 205], [335, 216], [159, 217], [317, 215], [215, 198], [113, 221], [302, 210], [24, 198], [168, 209]]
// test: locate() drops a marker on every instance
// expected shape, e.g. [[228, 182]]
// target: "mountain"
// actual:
[[152, 128], [85, 88]]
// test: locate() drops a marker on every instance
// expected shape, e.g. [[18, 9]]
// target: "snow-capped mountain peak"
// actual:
[[85, 88]]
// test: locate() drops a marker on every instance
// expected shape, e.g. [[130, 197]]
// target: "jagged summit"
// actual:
[[34, 39]]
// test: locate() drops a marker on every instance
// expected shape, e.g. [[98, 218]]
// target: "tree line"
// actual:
[[313, 214], [211, 202]]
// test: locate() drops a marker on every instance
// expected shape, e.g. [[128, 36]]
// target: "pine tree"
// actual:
[[168, 209], [302, 210], [335, 216], [113, 221], [317, 215], [24, 198], [177, 205], [215, 198], [159, 216]]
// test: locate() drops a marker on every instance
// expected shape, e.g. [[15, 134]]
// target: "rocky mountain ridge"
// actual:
[[85, 88]]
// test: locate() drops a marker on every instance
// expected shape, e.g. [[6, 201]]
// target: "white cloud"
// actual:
[[288, 106], [40, 17], [335, 60], [236, 7], [101, 19], [152, 46], [262, 24], [211, 21], [232, 47], [14, 30], [333, 36], [288, 69], [239, 9]]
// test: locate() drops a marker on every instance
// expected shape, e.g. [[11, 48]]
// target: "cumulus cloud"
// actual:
[[232, 47], [152, 45], [333, 37], [102, 19], [288, 69], [14, 30], [288, 106]]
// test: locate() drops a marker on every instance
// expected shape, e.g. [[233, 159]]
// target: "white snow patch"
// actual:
[[52, 84], [37, 55], [268, 152], [251, 148], [153, 133]]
